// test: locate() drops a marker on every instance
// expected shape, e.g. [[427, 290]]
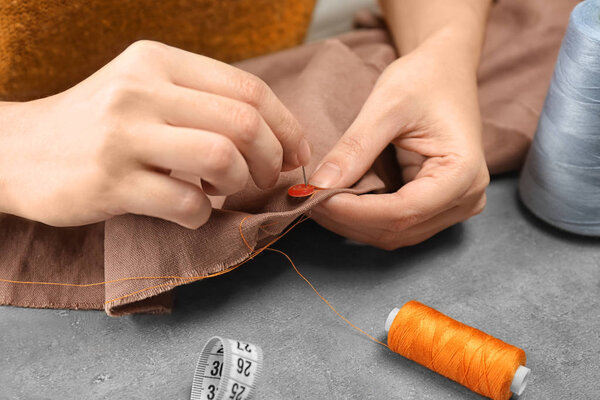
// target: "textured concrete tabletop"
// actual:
[[502, 272]]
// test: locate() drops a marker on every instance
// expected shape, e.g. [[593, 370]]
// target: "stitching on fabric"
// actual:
[[179, 278], [271, 224], [242, 234], [264, 226], [123, 279], [184, 279], [193, 278], [92, 284]]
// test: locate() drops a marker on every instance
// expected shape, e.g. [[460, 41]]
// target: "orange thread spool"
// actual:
[[466, 355]]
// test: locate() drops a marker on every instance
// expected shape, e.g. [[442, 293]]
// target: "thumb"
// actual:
[[355, 152]]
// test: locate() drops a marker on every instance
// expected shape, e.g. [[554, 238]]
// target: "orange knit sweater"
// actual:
[[47, 46]]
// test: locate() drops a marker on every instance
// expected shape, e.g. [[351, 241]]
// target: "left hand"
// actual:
[[429, 111]]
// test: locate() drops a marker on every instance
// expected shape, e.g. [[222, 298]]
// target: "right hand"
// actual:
[[112, 144]]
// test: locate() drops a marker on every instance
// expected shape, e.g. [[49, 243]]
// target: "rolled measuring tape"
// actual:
[[227, 370]]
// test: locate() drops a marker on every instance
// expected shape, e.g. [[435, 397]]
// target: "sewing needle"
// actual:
[[304, 175], [301, 189]]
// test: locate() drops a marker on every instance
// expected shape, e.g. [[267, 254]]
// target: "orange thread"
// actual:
[[184, 279], [270, 224], [105, 282], [466, 355], [325, 300], [242, 233]]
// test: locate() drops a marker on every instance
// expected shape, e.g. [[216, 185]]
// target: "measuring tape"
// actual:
[[227, 370]]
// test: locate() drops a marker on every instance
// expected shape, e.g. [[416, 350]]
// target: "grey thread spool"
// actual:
[[560, 182]]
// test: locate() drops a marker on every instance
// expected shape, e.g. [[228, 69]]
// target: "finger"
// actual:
[[390, 240], [158, 195], [356, 151], [438, 187], [377, 237], [343, 229], [472, 205], [206, 74], [238, 121], [216, 200], [425, 230], [211, 156]]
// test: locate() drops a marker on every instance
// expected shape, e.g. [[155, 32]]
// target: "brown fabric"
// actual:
[[46, 46], [324, 85], [522, 43]]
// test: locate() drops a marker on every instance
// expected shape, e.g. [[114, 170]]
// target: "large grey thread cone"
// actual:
[[560, 182]]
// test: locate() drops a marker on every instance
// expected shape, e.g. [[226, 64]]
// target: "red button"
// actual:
[[301, 190]]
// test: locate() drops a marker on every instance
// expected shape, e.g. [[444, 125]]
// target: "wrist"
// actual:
[[13, 121], [454, 48], [456, 27], [6, 109]]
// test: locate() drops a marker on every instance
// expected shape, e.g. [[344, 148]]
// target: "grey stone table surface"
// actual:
[[502, 272]]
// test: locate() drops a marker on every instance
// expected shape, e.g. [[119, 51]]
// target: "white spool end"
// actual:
[[520, 379], [390, 319]]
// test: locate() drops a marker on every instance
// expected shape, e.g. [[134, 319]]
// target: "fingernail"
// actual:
[[326, 176], [304, 152]]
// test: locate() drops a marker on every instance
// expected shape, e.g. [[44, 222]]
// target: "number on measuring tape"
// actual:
[[244, 366], [227, 370]]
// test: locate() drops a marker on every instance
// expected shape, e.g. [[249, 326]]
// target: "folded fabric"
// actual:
[[131, 263]]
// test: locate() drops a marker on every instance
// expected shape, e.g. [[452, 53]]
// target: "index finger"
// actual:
[[206, 74]]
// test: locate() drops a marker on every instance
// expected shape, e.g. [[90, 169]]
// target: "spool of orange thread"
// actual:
[[466, 355]]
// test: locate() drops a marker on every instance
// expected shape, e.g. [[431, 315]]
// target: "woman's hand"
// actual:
[[428, 109], [108, 145]]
